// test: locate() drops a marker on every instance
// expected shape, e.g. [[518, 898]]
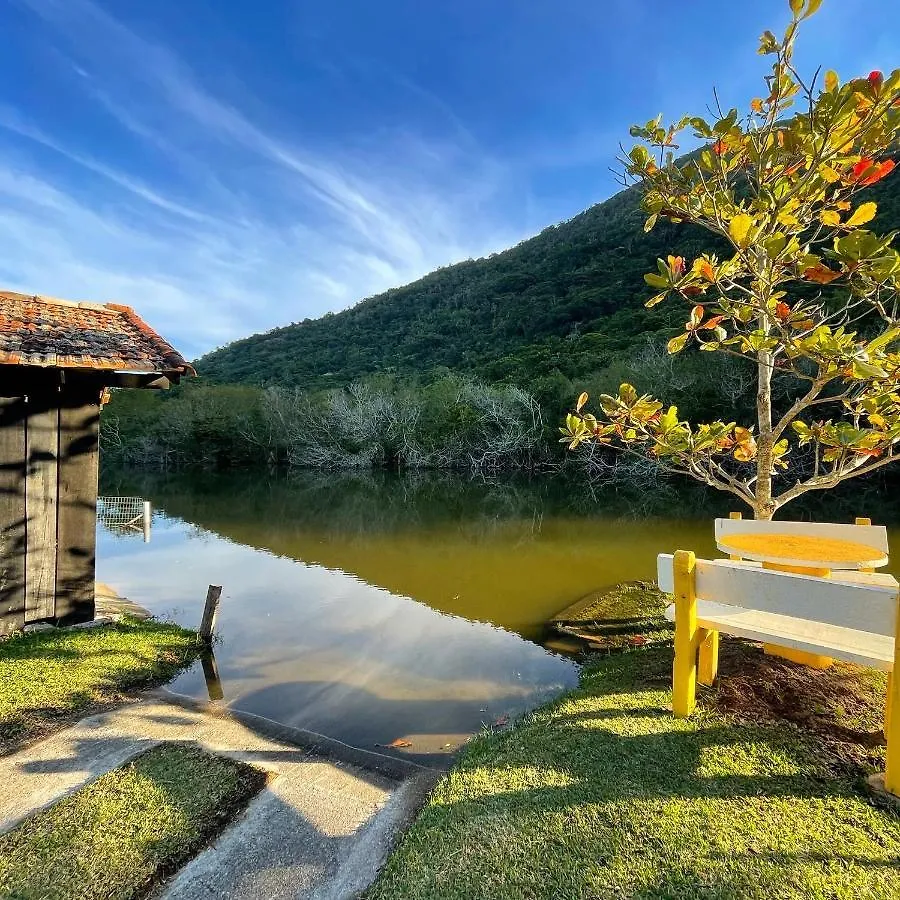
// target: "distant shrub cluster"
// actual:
[[453, 423], [447, 422]]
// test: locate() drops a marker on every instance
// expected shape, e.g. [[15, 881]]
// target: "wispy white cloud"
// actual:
[[219, 223]]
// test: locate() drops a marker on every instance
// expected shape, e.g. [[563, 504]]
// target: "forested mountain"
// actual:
[[564, 301]]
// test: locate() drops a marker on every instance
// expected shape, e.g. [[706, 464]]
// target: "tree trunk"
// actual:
[[764, 507]]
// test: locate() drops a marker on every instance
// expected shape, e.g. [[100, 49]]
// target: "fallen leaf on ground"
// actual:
[[397, 744], [501, 721]]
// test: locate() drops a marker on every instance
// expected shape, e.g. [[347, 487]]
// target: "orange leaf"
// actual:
[[706, 270], [719, 147], [782, 311], [756, 105], [399, 743], [676, 264], [820, 274]]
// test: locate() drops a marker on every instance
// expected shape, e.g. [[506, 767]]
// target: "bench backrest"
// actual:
[[864, 607], [870, 535]]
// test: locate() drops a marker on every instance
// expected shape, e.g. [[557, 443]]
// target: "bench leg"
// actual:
[[708, 656], [892, 719], [684, 670], [888, 705], [813, 660], [892, 735]]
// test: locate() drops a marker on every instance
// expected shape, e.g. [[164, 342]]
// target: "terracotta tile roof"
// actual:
[[44, 331]]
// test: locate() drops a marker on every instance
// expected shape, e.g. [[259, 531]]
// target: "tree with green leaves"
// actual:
[[810, 297]]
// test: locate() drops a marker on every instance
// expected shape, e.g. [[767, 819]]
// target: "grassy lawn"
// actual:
[[604, 794], [49, 678], [119, 836]]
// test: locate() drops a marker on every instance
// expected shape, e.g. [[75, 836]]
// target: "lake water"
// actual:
[[376, 608]]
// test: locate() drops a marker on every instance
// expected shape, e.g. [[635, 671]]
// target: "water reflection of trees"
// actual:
[[364, 502]]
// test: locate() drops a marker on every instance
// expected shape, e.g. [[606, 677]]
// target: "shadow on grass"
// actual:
[[49, 678], [120, 835]]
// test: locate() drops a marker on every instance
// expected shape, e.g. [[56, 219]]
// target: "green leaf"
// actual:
[[862, 214], [651, 221], [677, 344], [669, 419], [796, 7], [739, 229], [812, 7], [831, 80], [864, 371], [656, 281]]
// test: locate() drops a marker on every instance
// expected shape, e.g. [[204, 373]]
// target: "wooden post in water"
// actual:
[[210, 611], [211, 675]]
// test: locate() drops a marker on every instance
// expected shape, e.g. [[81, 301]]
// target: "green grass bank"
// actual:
[[603, 794], [50, 678], [119, 836]]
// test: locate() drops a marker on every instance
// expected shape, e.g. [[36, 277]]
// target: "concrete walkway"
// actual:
[[321, 828]]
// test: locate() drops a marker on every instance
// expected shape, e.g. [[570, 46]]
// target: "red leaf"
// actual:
[[719, 147], [862, 167], [879, 172], [875, 79], [637, 640]]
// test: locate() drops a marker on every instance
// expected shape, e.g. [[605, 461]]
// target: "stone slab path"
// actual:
[[321, 829]]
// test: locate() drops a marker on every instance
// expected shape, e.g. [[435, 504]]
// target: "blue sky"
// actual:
[[227, 166]]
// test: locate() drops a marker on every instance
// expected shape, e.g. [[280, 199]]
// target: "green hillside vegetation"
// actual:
[[566, 302]]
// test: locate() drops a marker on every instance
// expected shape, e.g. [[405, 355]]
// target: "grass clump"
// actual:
[[623, 615], [47, 678], [604, 794], [118, 837], [637, 600]]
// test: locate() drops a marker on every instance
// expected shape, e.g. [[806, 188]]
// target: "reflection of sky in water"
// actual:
[[323, 650]]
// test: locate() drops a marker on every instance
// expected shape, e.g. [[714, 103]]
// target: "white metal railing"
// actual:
[[125, 514]]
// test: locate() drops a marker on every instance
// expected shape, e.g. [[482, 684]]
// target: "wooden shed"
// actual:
[[56, 359]]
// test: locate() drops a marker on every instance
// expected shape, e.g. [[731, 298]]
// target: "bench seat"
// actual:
[[861, 647]]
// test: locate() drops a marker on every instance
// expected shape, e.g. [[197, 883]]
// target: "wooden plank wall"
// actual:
[[41, 488], [79, 426], [49, 454], [12, 514]]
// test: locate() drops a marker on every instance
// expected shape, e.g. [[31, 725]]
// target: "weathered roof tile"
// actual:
[[44, 331]]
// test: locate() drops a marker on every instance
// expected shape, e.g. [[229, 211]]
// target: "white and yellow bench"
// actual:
[[853, 619]]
